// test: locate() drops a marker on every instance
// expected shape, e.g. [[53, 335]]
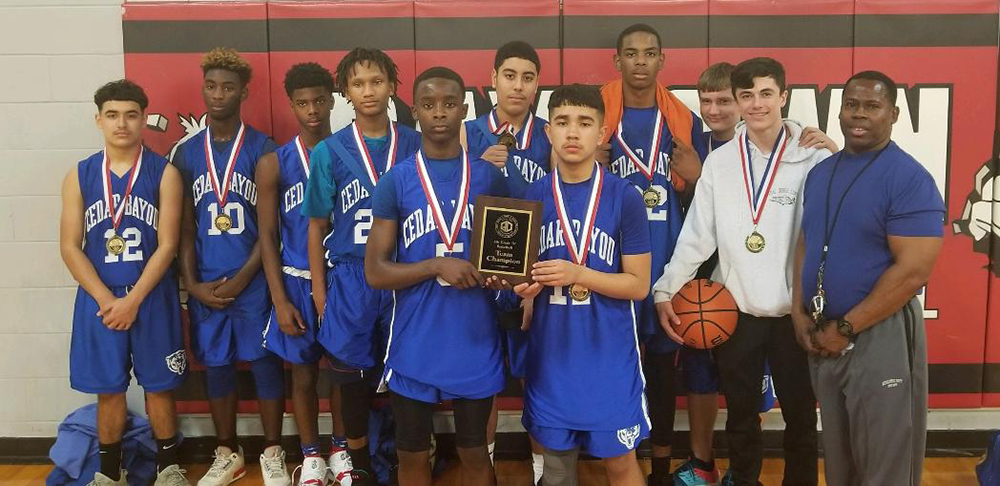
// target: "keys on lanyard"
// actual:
[[819, 300]]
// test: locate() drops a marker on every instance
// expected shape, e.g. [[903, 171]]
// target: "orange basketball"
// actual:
[[707, 312]]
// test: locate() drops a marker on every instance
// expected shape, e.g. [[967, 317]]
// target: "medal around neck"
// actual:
[[651, 197], [223, 222], [578, 292], [116, 245], [507, 140], [755, 242], [505, 237]]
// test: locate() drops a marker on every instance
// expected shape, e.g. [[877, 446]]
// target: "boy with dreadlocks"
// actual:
[[346, 167], [291, 331], [220, 263]]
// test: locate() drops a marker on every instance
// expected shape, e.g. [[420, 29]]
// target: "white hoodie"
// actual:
[[761, 283]]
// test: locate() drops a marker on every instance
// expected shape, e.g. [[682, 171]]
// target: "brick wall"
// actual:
[[55, 53]]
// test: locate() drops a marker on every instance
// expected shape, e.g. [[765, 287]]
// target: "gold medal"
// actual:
[[579, 293], [116, 245], [755, 242], [651, 197], [507, 140], [223, 222]]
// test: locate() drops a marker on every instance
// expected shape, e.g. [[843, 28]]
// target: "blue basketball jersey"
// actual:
[[222, 253], [528, 159], [139, 220], [439, 335], [710, 143], [351, 219], [293, 175], [667, 217], [583, 369]]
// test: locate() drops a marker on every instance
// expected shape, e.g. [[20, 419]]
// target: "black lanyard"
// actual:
[[828, 226]]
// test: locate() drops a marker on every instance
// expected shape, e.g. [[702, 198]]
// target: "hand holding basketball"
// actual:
[[668, 319], [706, 314]]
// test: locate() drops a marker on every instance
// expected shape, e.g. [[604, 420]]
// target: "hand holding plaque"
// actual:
[[505, 237]]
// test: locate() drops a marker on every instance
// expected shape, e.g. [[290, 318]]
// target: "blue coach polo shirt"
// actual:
[[895, 196]]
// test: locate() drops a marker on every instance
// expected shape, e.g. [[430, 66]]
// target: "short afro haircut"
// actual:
[[577, 95], [308, 75], [363, 55], [518, 49], [437, 72], [121, 90], [879, 77], [228, 60], [634, 28]]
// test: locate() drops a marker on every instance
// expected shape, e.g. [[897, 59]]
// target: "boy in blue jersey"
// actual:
[[221, 266], [656, 143], [347, 165], [515, 78], [584, 385], [443, 341], [281, 181], [119, 231]]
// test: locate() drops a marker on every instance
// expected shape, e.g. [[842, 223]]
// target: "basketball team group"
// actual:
[[678, 253]]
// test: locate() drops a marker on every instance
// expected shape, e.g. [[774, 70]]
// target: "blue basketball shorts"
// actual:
[[355, 323], [235, 333], [701, 376], [304, 348], [153, 348], [424, 392], [598, 443]]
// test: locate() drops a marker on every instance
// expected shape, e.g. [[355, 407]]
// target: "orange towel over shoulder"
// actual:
[[679, 118]]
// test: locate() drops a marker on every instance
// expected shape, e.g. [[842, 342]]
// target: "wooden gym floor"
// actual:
[[937, 472]]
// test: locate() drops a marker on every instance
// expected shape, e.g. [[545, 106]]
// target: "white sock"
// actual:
[[272, 451], [489, 448], [537, 465]]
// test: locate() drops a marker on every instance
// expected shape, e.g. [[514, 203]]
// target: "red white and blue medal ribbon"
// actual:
[[449, 233], [117, 213], [303, 154], [757, 192], [390, 160], [497, 128], [222, 189], [647, 167], [578, 251]]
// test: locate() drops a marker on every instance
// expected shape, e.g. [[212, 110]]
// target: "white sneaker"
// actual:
[[341, 467], [172, 476], [227, 467], [102, 480], [314, 472], [273, 469]]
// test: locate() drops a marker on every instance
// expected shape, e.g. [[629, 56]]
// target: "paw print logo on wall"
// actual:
[[981, 216]]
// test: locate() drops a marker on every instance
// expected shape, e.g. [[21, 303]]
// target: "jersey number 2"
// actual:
[[362, 225]]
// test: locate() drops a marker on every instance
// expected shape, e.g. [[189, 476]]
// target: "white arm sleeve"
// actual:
[[696, 242]]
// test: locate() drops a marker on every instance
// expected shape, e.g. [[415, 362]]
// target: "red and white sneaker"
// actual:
[[226, 468], [341, 467], [314, 472]]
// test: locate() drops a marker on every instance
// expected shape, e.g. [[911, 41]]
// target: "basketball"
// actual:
[[707, 313]]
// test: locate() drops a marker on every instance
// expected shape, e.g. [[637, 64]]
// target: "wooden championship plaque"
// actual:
[[505, 236]]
